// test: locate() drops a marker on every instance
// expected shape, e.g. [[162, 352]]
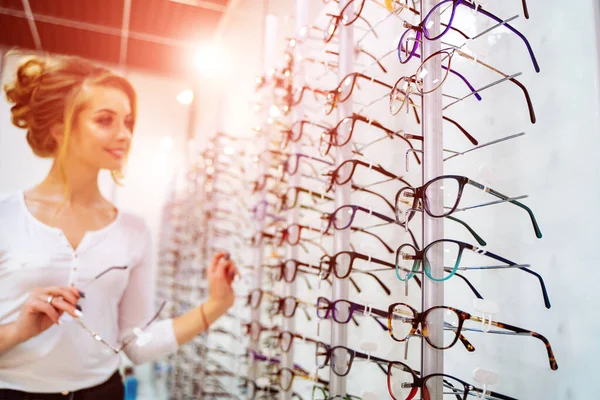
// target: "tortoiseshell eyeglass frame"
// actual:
[[418, 319]]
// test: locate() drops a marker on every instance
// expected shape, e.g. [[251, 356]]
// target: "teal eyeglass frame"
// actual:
[[419, 258]]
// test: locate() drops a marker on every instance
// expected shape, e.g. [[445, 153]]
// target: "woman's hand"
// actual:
[[37, 314], [221, 274]]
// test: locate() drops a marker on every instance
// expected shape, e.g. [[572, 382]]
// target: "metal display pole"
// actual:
[[269, 62], [339, 332], [433, 228], [289, 324]]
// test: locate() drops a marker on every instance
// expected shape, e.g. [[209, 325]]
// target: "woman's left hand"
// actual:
[[221, 273]]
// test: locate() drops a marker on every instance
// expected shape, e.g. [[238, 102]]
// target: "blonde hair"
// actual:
[[49, 91]]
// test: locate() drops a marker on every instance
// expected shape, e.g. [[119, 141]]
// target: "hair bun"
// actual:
[[20, 91]]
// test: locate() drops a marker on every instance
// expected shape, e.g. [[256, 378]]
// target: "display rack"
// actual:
[[270, 250], [432, 360]]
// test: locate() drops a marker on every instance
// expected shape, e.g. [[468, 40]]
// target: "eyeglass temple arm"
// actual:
[[303, 307], [490, 394], [463, 130], [376, 360], [477, 294], [521, 331], [541, 280], [512, 79], [538, 232], [471, 231], [532, 117], [355, 187], [374, 58], [465, 80], [462, 77], [122, 268], [383, 286], [374, 313], [525, 10], [508, 26], [388, 248], [98, 337]]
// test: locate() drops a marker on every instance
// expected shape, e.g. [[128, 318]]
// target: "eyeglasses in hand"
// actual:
[[137, 334]]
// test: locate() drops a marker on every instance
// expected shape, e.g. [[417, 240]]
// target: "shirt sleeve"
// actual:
[[137, 308]]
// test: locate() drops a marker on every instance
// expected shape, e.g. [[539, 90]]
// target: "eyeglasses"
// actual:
[[404, 321], [343, 173], [341, 358], [137, 333], [342, 311], [296, 131], [292, 163], [450, 189], [292, 233], [345, 88], [321, 393], [341, 134], [222, 331], [255, 329], [404, 383], [272, 360], [440, 12], [288, 271], [252, 390], [343, 217], [289, 199], [409, 259], [255, 297], [261, 236], [286, 376], [287, 306], [260, 211], [342, 265], [261, 182], [347, 16], [297, 94], [285, 340], [444, 59]]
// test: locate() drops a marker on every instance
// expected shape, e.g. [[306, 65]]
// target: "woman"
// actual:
[[75, 272]]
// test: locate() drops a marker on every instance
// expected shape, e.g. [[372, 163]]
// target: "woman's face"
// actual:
[[101, 134]]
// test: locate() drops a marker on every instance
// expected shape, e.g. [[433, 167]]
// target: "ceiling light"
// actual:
[[186, 96]]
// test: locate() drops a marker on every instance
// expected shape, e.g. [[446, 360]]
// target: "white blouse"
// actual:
[[67, 357]]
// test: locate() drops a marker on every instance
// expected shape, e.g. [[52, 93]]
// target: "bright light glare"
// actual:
[[166, 143], [274, 111], [186, 96], [229, 150], [210, 59]]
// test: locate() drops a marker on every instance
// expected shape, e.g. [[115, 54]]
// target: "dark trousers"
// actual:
[[112, 389]]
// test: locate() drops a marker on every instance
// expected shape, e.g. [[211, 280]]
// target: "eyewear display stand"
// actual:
[[432, 360], [259, 251], [289, 324], [339, 332]]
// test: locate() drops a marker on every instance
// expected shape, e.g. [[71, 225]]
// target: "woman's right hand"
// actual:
[[37, 314]]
